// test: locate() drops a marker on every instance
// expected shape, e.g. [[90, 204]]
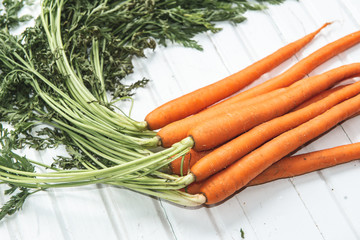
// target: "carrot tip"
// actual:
[[323, 26]]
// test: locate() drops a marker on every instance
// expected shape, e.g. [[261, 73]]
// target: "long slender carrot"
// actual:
[[239, 174], [224, 127], [308, 162], [292, 166], [178, 130], [233, 150], [197, 100], [301, 68], [319, 96]]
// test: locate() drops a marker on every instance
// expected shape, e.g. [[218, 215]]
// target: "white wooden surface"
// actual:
[[319, 205]]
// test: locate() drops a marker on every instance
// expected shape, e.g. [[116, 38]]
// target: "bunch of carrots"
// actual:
[[244, 138]]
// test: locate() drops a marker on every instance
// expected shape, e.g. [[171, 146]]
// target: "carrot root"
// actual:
[[308, 162], [239, 174]]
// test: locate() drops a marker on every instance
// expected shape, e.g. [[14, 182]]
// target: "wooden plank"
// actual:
[[136, 216], [38, 211]]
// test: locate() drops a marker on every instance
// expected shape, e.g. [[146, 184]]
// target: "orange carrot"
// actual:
[[302, 68], [303, 113], [181, 166], [299, 164], [239, 174], [193, 156], [224, 127], [319, 97], [233, 150], [178, 130], [197, 100], [308, 162], [194, 188]]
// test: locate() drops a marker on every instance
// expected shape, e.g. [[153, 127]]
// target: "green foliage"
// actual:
[[9, 16], [55, 77], [15, 203], [12, 160]]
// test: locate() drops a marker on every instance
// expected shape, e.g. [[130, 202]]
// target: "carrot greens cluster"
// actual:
[[62, 77]]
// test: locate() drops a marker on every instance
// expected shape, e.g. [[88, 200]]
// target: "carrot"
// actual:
[[294, 119], [194, 187], [301, 68], [178, 130], [224, 127], [181, 166], [308, 162], [298, 165], [319, 97], [197, 100], [233, 150], [239, 174]]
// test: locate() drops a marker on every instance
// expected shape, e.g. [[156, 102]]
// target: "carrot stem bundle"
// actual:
[[195, 101], [239, 174], [233, 150], [178, 130], [224, 127]]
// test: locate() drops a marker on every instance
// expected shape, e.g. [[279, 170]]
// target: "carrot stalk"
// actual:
[[224, 127], [239, 174], [178, 130], [195, 101], [297, 165], [308, 162]]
